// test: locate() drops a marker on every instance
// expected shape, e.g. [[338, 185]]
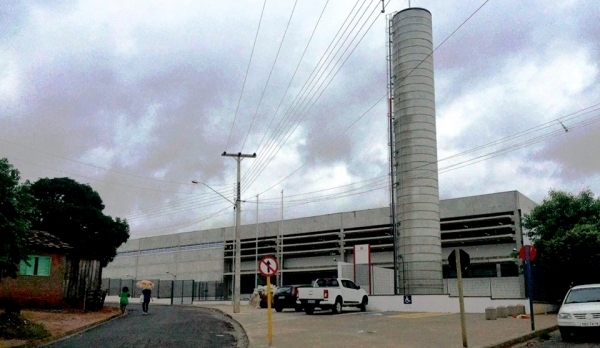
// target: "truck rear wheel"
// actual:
[[309, 310], [337, 307]]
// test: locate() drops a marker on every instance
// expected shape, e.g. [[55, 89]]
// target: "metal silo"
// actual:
[[419, 250]]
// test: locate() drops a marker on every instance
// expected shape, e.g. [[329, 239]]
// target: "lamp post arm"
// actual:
[[215, 191]]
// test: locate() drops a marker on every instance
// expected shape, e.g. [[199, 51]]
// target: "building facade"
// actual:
[[487, 227]]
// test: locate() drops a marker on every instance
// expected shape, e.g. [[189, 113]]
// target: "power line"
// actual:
[[565, 118], [384, 184], [270, 74], [144, 189], [325, 147], [246, 75], [444, 41], [294, 74], [86, 164], [186, 223], [279, 128], [308, 106]]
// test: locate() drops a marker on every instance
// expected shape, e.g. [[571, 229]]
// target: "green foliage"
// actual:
[[544, 335], [565, 230], [73, 212], [15, 326], [16, 207]]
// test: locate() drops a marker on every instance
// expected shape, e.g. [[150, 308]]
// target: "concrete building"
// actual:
[[487, 227]]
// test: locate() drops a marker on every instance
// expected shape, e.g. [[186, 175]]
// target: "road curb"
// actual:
[[511, 342], [245, 344]]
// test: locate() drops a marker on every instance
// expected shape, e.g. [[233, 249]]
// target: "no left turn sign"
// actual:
[[268, 266]]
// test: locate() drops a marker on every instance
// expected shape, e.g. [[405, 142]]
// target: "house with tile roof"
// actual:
[[50, 278]]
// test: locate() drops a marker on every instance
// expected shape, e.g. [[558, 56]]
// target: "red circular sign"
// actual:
[[268, 266], [532, 252]]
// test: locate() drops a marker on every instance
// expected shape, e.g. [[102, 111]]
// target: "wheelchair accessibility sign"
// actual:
[[407, 299]]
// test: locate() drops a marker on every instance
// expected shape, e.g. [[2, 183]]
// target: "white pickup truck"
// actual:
[[334, 294]]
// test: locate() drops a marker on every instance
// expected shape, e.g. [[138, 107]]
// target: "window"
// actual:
[[349, 284], [38, 266], [352, 285]]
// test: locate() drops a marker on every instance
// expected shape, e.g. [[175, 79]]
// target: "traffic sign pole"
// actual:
[[269, 319], [268, 267], [461, 300], [529, 284]]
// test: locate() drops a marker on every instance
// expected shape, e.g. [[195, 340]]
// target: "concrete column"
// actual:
[[519, 238], [419, 241], [342, 253]]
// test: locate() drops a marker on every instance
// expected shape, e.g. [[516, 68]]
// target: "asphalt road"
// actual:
[[163, 326]]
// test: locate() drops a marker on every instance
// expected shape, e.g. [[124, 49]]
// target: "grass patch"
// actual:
[[544, 335], [15, 326]]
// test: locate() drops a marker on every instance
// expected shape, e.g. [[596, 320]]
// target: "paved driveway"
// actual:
[[164, 326], [354, 329]]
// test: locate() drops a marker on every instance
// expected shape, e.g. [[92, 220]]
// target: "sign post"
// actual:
[[527, 254], [267, 266], [462, 260]]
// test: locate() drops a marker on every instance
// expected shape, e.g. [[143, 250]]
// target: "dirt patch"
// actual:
[[63, 322]]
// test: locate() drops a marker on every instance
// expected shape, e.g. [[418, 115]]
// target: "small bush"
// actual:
[[35, 331], [544, 335], [15, 326]]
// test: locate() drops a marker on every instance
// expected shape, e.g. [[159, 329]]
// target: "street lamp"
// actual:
[[238, 217], [132, 284], [172, 284], [215, 191], [235, 267]]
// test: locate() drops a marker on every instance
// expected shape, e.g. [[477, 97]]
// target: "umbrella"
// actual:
[[145, 284]]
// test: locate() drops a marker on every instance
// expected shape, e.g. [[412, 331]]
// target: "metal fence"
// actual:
[[181, 291], [422, 278]]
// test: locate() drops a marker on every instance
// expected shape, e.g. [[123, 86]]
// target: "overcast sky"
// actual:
[[138, 98]]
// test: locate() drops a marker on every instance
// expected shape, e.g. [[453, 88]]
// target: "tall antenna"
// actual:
[[391, 140]]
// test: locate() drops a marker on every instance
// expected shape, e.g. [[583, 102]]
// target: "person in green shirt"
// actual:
[[124, 299]]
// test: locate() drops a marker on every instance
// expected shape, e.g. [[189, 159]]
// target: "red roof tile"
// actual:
[[47, 240]]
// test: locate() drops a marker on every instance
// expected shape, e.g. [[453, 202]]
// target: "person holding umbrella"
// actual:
[[147, 287]]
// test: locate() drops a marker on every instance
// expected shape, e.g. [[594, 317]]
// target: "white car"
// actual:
[[580, 310], [333, 293]]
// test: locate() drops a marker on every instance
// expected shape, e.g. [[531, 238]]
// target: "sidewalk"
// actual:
[[382, 329]]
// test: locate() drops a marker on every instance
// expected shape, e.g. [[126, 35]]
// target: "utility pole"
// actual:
[[238, 216], [256, 247], [280, 273]]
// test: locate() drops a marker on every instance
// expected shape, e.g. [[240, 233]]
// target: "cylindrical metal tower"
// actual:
[[419, 247]]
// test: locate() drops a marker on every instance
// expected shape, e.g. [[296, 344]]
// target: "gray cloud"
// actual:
[[150, 90]]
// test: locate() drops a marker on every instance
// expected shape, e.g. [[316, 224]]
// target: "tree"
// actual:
[[565, 230], [16, 206], [73, 212]]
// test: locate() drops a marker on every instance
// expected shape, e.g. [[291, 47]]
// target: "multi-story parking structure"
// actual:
[[487, 227]]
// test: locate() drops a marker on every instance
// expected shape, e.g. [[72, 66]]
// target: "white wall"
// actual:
[[438, 303], [497, 288]]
